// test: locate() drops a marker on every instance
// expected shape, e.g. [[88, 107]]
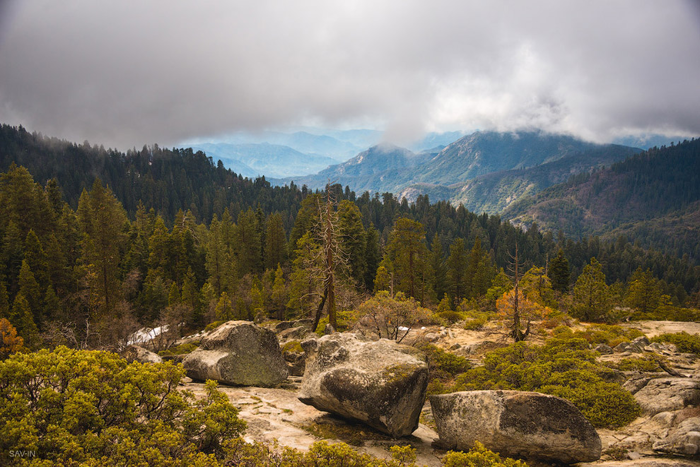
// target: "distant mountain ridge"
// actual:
[[494, 192], [486, 171], [271, 160], [653, 197]]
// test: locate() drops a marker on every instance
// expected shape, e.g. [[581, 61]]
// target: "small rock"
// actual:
[[328, 329], [663, 418], [135, 353], [641, 341], [603, 349], [295, 333], [455, 347], [281, 326], [634, 385], [431, 337]]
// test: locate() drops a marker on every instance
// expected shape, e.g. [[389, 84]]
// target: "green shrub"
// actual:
[[440, 360], [443, 366], [564, 367], [324, 454], [603, 404], [292, 346], [600, 334], [85, 407], [479, 456], [449, 316], [636, 364], [687, 343], [180, 349], [213, 325], [475, 324]]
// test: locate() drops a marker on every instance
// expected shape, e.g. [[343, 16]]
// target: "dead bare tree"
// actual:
[[333, 257]]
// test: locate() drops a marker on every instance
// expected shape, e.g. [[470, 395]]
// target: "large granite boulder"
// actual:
[[668, 394], [380, 383], [516, 424], [238, 353]]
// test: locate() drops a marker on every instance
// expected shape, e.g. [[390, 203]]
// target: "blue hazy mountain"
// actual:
[[271, 160]]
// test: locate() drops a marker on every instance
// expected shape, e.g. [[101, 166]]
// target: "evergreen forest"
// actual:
[[97, 244]]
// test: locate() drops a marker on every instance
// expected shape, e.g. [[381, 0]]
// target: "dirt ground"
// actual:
[[276, 415]]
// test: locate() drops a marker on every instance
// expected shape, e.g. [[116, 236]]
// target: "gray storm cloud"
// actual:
[[129, 73]]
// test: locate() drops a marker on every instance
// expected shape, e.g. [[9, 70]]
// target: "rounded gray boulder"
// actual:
[[238, 353], [380, 383], [516, 424]]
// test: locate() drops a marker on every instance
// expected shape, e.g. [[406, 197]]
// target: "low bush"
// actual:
[[448, 316], [687, 343], [292, 346], [479, 456], [562, 367], [75, 407], [644, 364], [213, 325], [443, 367], [180, 349], [599, 334], [475, 324], [324, 454]]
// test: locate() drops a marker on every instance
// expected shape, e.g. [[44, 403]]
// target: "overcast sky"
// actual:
[[126, 73]]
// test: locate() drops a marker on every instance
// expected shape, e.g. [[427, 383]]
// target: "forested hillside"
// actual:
[[166, 180], [651, 198], [143, 236]]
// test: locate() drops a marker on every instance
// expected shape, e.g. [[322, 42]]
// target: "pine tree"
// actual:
[[220, 261], [31, 292], [591, 300], [372, 256], [382, 281], [279, 293], [103, 220], [174, 295], [52, 305], [248, 244], [21, 318], [409, 258], [4, 301], [275, 242], [12, 255], [537, 287], [305, 280], [457, 264], [224, 309], [644, 294], [559, 273], [352, 239], [306, 218], [437, 263], [479, 272]]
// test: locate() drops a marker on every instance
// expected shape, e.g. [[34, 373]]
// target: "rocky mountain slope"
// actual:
[[486, 171]]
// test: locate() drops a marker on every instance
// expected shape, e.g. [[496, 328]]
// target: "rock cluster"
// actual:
[[238, 353], [380, 383]]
